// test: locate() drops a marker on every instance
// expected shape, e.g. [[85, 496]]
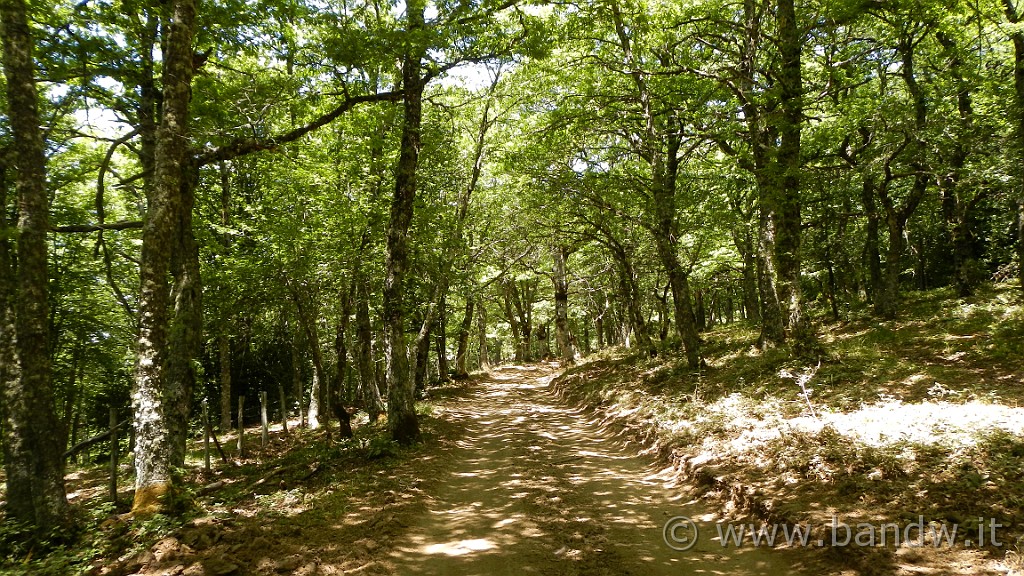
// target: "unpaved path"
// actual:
[[538, 488]]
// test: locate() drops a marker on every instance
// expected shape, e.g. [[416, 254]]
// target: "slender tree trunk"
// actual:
[[318, 390], [297, 385], [872, 255], [772, 328], [513, 321], [224, 350], [402, 422], [337, 389], [561, 282], [421, 350], [442, 341], [462, 355], [369, 392], [751, 303]]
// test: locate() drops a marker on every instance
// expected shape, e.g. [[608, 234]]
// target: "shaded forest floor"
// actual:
[[906, 419], [912, 418]]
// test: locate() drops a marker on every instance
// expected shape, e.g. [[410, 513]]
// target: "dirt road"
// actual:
[[538, 488]]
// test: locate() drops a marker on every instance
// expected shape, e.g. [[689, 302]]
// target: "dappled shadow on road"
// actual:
[[537, 487]]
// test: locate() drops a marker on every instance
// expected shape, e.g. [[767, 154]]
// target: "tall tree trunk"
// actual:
[[402, 422], [957, 207], [560, 279], [152, 443], [33, 455], [786, 195], [462, 355], [369, 393], [186, 327], [897, 216], [664, 164]]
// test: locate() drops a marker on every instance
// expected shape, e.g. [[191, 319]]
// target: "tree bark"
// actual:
[[33, 455], [298, 391], [337, 392], [186, 328], [872, 255], [402, 422], [153, 450], [369, 393], [484, 353], [224, 350], [957, 207], [786, 200], [462, 355], [442, 340], [560, 279]]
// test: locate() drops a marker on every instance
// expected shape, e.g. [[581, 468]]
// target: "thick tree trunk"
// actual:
[[786, 196], [402, 422], [772, 328], [152, 441], [560, 279], [462, 355], [33, 453], [886, 303], [369, 392], [186, 329]]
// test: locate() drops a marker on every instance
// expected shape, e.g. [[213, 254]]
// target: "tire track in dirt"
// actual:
[[535, 487]]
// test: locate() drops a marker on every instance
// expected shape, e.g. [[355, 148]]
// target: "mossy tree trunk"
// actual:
[[33, 451], [402, 422], [153, 455]]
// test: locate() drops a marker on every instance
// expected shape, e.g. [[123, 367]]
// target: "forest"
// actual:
[[268, 264]]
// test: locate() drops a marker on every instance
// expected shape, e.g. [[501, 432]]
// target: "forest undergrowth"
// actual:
[[305, 500], [912, 419]]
